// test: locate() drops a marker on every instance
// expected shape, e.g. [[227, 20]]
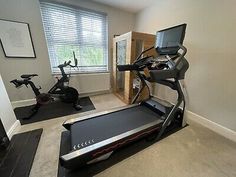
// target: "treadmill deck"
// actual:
[[91, 131]]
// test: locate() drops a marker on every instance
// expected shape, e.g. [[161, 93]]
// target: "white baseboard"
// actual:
[[13, 129], [21, 103], [28, 102], [95, 93], [193, 117]]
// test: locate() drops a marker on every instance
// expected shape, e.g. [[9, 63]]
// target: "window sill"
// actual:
[[78, 73]]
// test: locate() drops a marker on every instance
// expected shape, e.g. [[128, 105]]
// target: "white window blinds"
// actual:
[[83, 31]]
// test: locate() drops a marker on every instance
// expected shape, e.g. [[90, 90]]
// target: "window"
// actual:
[[69, 29]]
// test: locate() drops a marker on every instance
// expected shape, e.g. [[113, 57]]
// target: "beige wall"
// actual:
[[211, 41], [7, 115], [28, 11]]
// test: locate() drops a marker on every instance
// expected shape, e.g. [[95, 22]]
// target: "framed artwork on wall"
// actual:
[[16, 39]]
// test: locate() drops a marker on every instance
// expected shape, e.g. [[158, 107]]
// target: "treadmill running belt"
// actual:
[[103, 127]]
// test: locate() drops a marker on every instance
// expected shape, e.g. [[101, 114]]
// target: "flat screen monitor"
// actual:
[[167, 40]]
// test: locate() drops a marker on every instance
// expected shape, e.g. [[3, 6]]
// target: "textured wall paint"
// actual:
[[210, 39]]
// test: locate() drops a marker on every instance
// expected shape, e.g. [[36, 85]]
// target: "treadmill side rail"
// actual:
[[69, 122]]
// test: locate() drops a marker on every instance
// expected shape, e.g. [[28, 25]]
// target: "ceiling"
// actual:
[[127, 5]]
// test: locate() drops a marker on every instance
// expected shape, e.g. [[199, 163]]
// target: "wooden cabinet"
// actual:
[[126, 48]]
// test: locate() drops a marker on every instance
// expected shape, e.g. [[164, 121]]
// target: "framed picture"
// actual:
[[16, 40]]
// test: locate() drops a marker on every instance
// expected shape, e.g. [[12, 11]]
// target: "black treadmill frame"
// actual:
[[95, 150], [91, 152]]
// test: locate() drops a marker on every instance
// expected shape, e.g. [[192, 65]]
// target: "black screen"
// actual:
[[167, 40]]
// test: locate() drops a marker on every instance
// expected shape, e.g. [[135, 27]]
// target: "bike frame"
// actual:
[[59, 87]]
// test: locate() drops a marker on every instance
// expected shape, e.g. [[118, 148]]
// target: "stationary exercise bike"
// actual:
[[60, 90]]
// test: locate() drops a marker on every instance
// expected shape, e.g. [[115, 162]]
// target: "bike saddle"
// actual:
[[27, 76]]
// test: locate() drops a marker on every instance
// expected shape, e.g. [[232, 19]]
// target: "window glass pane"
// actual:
[[65, 53], [93, 56]]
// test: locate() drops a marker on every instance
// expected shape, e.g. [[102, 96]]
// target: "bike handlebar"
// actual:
[[65, 64], [75, 60], [19, 83], [184, 49]]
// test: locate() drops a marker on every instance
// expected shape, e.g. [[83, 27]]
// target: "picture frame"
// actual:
[[16, 39]]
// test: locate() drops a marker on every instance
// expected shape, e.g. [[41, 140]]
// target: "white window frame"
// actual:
[[54, 69]]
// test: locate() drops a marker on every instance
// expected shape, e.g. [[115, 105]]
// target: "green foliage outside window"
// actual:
[[87, 56]]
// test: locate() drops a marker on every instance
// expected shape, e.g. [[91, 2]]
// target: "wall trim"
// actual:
[[191, 117], [226, 132], [21, 103], [29, 102], [13, 129], [95, 93]]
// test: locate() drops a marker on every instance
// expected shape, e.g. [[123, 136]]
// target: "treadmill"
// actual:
[[95, 137]]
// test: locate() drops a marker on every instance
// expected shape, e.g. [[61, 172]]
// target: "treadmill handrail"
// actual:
[[158, 76], [184, 49]]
